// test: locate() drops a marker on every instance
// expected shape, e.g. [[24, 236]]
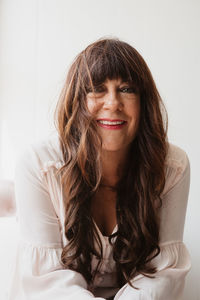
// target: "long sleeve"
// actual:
[[38, 273], [173, 262]]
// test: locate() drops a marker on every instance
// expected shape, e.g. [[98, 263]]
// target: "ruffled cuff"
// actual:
[[173, 263], [39, 275]]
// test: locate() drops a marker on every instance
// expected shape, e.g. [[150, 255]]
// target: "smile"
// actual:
[[111, 124]]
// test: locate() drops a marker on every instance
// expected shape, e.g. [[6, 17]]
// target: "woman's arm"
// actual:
[[38, 273], [173, 262]]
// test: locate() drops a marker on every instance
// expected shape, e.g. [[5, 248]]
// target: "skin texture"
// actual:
[[115, 99]]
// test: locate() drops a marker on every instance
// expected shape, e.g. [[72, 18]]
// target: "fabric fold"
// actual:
[[173, 263], [39, 275]]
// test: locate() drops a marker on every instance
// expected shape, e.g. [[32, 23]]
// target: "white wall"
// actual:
[[39, 39]]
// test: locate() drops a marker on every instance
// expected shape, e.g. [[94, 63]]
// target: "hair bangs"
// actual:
[[109, 63]]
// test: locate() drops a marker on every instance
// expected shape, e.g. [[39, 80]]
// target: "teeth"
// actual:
[[111, 122]]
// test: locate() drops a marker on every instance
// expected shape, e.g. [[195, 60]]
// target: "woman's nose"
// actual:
[[112, 102]]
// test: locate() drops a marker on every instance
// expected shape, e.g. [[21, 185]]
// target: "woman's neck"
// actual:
[[113, 167]]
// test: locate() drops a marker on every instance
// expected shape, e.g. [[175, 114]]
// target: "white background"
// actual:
[[39, 39]]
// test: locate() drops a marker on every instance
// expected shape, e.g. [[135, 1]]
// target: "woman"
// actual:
[[102, 206]]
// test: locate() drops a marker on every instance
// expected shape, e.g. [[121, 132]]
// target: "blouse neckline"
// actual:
[[105, 237]]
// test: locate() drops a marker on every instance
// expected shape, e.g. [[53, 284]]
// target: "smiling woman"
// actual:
[[115, 106], [102, 204]]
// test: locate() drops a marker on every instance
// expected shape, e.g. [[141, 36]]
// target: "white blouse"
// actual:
[[38, 273]]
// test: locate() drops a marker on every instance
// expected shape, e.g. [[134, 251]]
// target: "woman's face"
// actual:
[[116, 107]]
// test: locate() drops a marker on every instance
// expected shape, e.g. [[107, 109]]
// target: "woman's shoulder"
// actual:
[[43, 153], [177, 166], [176, 157]]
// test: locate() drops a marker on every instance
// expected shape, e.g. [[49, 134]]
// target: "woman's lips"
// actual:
[[111, 124]]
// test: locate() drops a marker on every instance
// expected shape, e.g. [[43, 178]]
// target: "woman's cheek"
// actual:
[[91, 105]]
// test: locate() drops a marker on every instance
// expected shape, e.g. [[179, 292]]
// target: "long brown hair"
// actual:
[[138, 192]]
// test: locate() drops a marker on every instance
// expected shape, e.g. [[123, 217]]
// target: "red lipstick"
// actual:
[[112, 124]]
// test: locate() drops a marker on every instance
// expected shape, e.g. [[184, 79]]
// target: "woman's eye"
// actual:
[[129, 90], [96, 89]]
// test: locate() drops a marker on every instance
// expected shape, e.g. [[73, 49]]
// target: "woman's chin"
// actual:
[[114, 148]]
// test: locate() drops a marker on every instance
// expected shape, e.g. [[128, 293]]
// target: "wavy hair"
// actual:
[[136, 241]]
